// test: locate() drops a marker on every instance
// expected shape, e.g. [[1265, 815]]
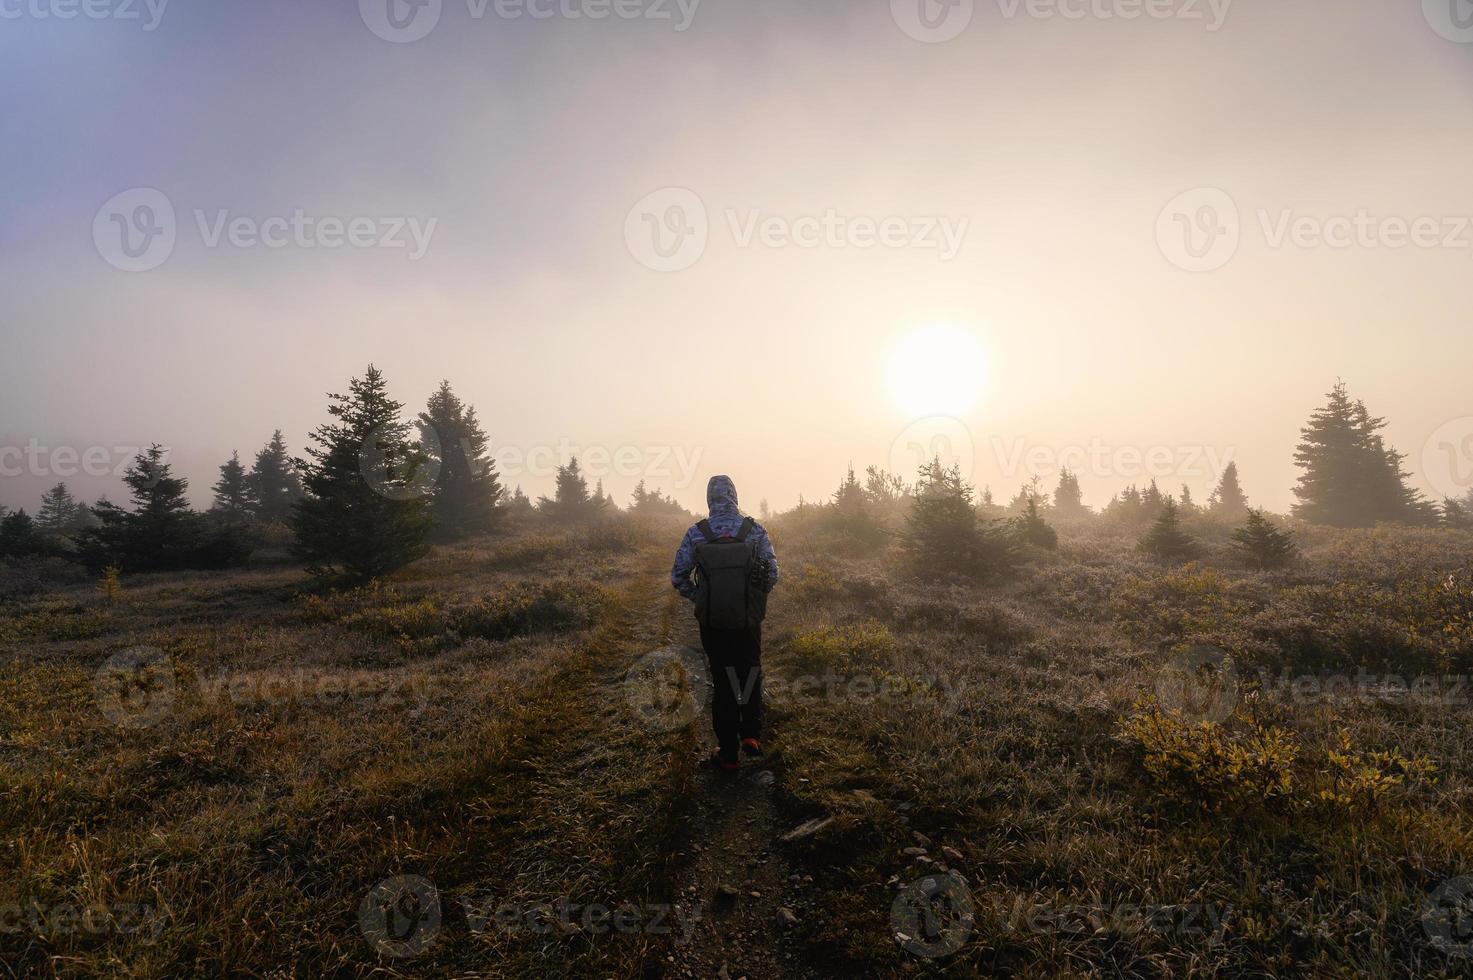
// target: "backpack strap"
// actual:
[[745, 529], [704, 526]]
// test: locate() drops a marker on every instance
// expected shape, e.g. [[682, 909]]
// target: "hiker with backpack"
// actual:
[[726, 566]]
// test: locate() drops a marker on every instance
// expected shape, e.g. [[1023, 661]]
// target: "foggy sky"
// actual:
[[1059, 140]]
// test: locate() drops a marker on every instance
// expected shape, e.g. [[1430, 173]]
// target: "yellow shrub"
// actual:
[[1204, 765], [1361, 781]]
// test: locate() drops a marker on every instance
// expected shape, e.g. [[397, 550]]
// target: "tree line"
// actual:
[[374, 490], [371, 493]]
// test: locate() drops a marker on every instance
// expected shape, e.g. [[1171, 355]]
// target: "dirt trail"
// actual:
[[734, 880]]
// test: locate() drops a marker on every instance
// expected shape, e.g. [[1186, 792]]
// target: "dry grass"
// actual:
[[464, 722]]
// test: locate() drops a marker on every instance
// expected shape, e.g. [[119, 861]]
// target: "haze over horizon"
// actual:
[[830, 186]]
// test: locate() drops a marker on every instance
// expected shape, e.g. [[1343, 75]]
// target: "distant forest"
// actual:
[[374, 490]]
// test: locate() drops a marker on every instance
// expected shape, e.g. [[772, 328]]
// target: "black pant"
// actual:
[[736, 678]]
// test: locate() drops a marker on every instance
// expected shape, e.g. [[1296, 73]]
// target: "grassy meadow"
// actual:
[[1096, 766]]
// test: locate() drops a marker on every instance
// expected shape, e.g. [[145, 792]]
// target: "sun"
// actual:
[[936, 370]]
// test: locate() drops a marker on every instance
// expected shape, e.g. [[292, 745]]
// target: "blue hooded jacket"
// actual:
[[721, 498]]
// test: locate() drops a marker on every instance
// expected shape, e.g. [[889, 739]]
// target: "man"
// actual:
[[726, 566]]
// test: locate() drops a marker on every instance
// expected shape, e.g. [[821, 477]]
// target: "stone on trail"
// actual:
[[807, 829]]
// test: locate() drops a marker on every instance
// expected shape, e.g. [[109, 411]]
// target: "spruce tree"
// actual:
[[1166, 541], [274, 483], [59, 510], [942, 531], [1228, 502], [1153, 501], [1351, 477], [20, 538], [883, 488], [572, 488], [160, 532], [571, 501], [1262, 544], [647, 503], [1458, 513], [1068, 499], [233, 498], [518, 505], [364, 513], [852, 520], [467, 487], [1126, 506], [1033, 529]]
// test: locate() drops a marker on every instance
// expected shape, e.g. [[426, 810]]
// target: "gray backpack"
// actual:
[[728, 588]]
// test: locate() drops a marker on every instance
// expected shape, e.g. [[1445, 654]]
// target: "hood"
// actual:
[[721, 496]]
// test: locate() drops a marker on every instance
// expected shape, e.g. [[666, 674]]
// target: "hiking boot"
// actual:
[[720, 763], [752, 747]]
